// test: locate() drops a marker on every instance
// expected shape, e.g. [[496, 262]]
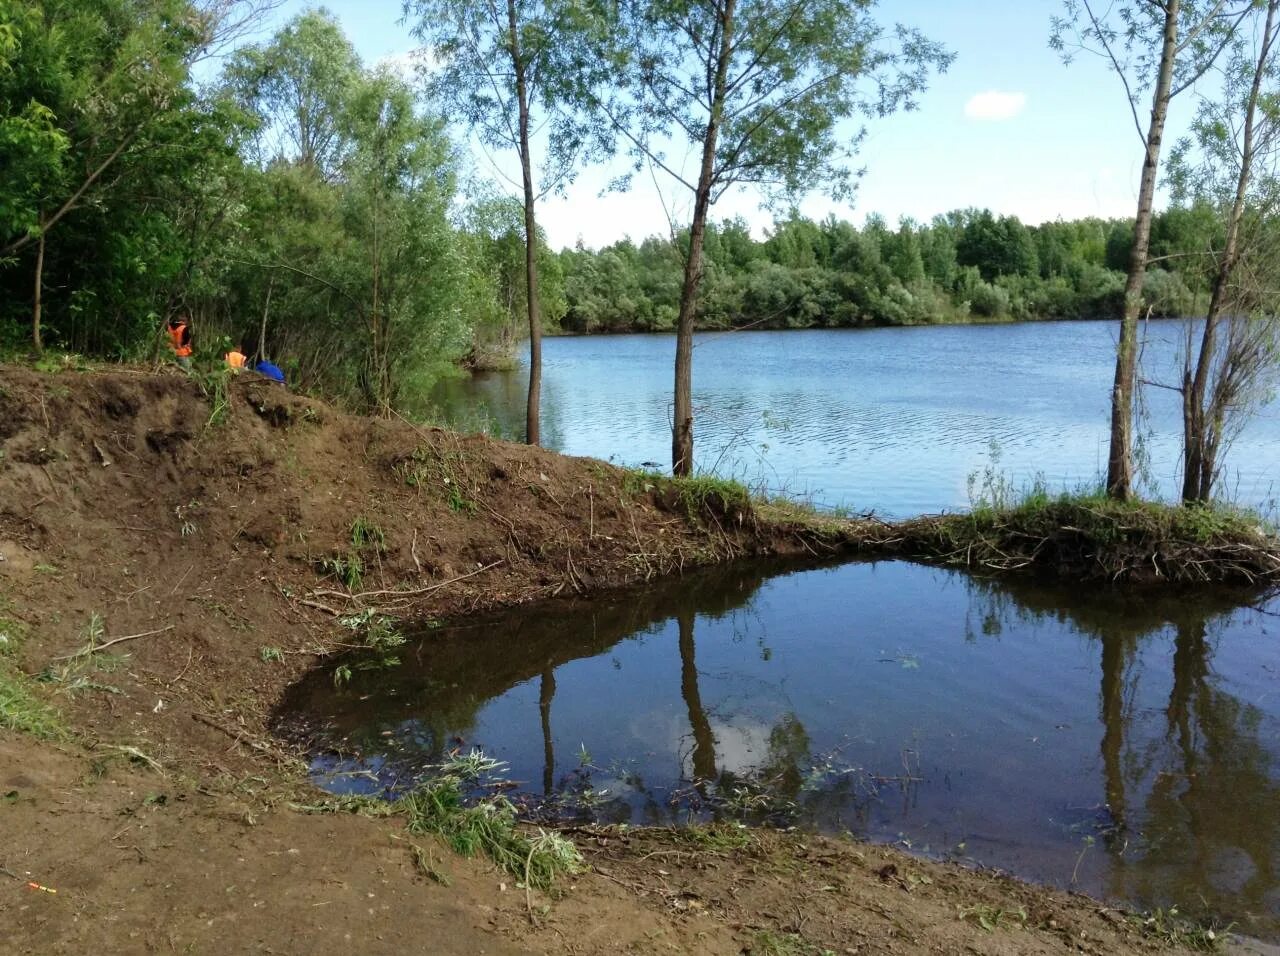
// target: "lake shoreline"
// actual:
[[170, 576]]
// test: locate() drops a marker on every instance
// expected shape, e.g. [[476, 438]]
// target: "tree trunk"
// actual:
[[1201, 424], [532, 432], [682, 417], [1120, 456], [37, 304], [262, 328]]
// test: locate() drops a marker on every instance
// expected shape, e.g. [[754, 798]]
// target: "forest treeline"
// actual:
[[967, 265]]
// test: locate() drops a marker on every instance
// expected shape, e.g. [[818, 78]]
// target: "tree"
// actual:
[[297, 86], [761, 89], [497, 67], [84, 84], [1164, 46], [1237, 139]]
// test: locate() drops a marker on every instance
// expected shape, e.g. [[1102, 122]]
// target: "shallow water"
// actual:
[[1125, 744], [894, 419]]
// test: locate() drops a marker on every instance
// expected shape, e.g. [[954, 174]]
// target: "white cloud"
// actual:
[[995, 105]]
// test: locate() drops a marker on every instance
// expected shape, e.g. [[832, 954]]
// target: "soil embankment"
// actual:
[[218, 539]]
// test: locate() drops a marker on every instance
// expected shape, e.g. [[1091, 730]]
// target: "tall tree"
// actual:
[[297, 86], [1236, 138], [506, 70], [762, 91], [1163, 46]]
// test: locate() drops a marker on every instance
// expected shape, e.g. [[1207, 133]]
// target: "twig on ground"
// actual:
[[94, 648]]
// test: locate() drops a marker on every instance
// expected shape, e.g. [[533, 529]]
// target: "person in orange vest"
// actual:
[[180, 340], [236, 358]]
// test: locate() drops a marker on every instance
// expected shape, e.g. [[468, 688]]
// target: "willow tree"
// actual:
[[1230, 161], [765, 93], [1164, 47], [507, 71]]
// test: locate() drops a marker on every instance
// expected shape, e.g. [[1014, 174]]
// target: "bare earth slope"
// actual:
[[204, 528]]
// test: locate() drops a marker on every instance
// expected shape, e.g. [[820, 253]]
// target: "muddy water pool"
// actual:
[[1125, 744]]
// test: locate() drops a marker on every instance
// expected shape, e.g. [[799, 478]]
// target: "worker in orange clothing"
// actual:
[[236, 358], [180, 340]]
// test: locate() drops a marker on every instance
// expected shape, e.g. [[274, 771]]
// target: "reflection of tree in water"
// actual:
[[1193, 798], [1212, 830], [416, 714]]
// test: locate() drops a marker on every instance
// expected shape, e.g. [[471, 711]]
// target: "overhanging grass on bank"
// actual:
[[1091, 537]]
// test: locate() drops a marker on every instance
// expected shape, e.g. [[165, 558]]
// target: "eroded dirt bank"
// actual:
[[217, 533]]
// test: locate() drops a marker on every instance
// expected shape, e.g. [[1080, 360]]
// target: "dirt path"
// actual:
[[213, 533]]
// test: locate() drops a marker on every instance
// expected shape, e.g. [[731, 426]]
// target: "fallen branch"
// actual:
[[413, 593], [241, 737], [94, 648]]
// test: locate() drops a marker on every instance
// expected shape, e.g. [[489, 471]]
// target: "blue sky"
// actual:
[[1008, 127]]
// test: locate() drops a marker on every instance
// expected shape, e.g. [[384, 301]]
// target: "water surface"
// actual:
[[1124, 744], [893, 419]]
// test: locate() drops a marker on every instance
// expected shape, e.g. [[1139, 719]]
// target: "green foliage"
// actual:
[[366, 534], [769, 943], [1172, 929], [21, 705], [270, 655], [992, 918], [488, 827], [347, 568]]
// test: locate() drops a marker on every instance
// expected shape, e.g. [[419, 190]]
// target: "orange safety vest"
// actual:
[[176, 335], [236, 359]]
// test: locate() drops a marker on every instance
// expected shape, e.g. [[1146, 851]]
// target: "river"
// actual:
[[894, 420]]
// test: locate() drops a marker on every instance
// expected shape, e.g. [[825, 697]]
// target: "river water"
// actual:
[[894, 420], [1127, 745]]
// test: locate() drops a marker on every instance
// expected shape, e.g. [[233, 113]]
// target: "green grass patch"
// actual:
[[1173, 929], [716, 837], [700, 497], [22, 707], [768, 943], [1087, 535], [488, 828]]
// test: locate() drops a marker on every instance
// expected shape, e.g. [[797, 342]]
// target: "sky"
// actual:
[[1008, 127]]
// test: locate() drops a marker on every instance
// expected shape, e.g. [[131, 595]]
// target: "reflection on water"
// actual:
[[890, 419], [1130, 741]]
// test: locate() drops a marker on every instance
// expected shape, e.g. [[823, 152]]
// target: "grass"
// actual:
[[427, 468], [768, 943], [1168, 926], [992, 918], [367, 534], [489, 828], [213, 384], [1086, 535], [21, 706], [716, 837], [699, 496]]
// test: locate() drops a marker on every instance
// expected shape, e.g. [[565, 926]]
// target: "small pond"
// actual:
[[1125, 744]]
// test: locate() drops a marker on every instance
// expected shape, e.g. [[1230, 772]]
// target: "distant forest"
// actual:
[[964, 266]]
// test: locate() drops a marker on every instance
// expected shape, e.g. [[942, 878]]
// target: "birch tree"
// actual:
[[762, 93], [1160, 48], [1230, 161], [507, 71]]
